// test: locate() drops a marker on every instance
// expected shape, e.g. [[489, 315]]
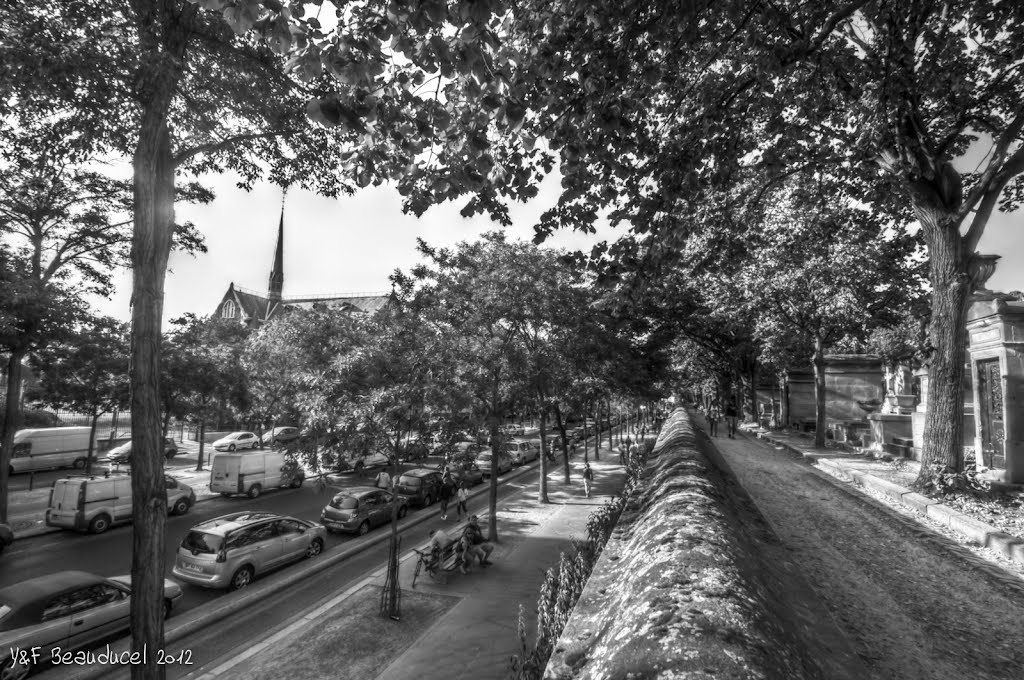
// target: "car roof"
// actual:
[[227, 523], [419, 472], [28, 598], [356, 491]]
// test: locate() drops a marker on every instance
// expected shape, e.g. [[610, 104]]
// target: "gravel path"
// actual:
[[914, 604]]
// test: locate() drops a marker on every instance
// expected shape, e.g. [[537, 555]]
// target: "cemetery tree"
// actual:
[[86, 372]]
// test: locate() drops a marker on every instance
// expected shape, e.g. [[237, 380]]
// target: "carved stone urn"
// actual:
[[981, 268]]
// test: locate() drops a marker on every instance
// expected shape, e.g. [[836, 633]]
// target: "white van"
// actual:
[[52, 447], [522, 452], [94, 503], [253, 471]]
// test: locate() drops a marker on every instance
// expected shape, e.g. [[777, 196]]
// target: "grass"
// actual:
[[351, 642]]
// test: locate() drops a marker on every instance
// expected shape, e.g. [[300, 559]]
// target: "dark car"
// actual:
[[361, 508], [468, 472], [122, 454], [66, 610], [280, 435], [420, 486]]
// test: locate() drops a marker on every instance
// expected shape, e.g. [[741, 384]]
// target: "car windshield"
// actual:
[[512, 447], [345, 503], [484, 456], [198, 542], [406, 480]]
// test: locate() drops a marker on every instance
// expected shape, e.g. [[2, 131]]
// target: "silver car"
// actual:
[[70, 610], [229, 551]]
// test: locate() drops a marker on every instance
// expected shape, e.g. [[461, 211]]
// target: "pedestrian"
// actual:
[[588, 478], [445, 494], [730, 418], [713, 416], [462, 495], [383, 480]]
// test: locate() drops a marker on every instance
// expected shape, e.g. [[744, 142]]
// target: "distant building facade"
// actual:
[[253, 309]]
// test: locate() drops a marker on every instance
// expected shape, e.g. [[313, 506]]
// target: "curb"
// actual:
[[211, 615], [976, 531]]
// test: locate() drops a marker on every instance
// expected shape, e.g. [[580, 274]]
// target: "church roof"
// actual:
[[258, 308]]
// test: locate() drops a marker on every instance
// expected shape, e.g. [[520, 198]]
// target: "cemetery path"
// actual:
[[914, 604]]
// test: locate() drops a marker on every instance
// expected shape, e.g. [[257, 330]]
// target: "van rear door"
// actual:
[[225, 475], [65, 500]]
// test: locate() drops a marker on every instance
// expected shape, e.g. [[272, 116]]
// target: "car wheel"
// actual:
[[180, 507], [315, 548], [363, 528], [402, 512], [168, 606], [359, 467], [254, 491], [297, 482], [241, 578], [15, 670], [231, 447], [255, 445], [79, 463], [427, 500], [10, 470], [99, 524]]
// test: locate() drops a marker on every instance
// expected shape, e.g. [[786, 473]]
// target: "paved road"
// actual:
[[915, 605]]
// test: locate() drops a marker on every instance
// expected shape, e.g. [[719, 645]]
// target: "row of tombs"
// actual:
[[880, 407]]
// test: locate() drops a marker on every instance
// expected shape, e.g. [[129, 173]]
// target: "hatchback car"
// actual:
[[229, 551], [280, 435], [505, 463], [421, 486], [237, 440], [361, 508], [68, 609], [122, 454]]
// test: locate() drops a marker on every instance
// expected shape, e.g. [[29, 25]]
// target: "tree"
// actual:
[[169, 85], [86, 372]]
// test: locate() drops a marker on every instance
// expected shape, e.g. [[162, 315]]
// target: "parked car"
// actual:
[[420, 486], [361, 508], [530, 431], [280, 435], [93, 503], [466, 451], [467, 471], [48, 448], [69, 610], [355, 462], [6, 536], [237, 440], [512, 429], [505, 462], [122, 454], [229, 551], [522, 452]]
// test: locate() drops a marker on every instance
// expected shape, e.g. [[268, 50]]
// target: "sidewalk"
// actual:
[[463, 629]]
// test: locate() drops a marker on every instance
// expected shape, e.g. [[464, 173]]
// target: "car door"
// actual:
[[262, 546], [54, 625], [97, 611], [292, 537]]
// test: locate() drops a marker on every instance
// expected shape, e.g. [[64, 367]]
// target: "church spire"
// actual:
[[277, 273]]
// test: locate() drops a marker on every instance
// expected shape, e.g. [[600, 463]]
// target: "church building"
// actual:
[[253, 309]]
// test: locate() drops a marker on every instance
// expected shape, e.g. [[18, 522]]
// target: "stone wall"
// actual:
[[681, 590]]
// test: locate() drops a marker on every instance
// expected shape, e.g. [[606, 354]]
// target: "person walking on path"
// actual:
[[588, 478], [713, 416], [730, 419], [445, 494], [383, 480], [462, 496]]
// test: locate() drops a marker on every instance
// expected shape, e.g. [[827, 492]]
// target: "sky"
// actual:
[[352, 244]]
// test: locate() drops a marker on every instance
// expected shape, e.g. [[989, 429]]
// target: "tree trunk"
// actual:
[[492, 497], [597, 431], [154, 219], [12, 416], [819, 392], [611, 444], [560, 422], [752, 375], [543, 456], [784, 401], [202, 443], [951, 287], [92, 443]]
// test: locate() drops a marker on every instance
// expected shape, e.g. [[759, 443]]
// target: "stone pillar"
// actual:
[[995, 324]]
